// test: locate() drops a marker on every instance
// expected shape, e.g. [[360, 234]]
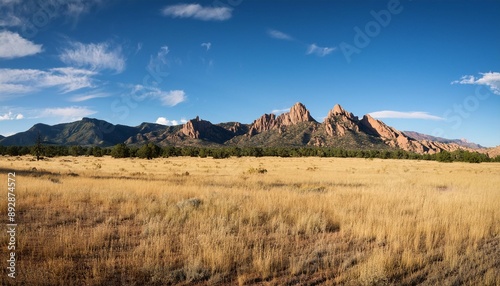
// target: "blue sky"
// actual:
[[426, 66]]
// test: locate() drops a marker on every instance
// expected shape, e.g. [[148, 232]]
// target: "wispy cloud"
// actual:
[[172, 97], [9, 13], [19, 13], [88, 96], [21, 81], [490, 79], [165, 121], [12, 45], [11, 116], [10, 20], [100, 56], [139, 48], [65, 113], [158, 63], [198, 12], [167, 98], [279, 35], [319, 51], [206, 45], [404, 115], [279, 111]]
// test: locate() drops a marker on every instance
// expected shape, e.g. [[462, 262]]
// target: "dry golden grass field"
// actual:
[[306, 221]]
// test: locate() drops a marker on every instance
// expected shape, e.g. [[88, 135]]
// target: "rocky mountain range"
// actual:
[[461, 142], [296, 128]]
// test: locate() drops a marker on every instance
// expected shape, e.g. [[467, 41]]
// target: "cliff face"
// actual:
[[338, 122], [206, 131], [398, 139]]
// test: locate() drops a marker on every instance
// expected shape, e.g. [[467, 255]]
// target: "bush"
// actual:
[[256, 171]]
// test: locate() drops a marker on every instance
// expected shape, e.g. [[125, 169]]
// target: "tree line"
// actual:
[[151, 150]]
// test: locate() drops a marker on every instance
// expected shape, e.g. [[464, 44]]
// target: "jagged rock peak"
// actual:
[[193, 127], [338, 110], [339, 121], [264, 123], [298, 113]]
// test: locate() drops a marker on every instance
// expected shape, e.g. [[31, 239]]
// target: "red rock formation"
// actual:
[[298, 113], [338, 122]]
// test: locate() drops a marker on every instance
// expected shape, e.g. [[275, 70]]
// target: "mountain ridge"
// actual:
[[294, 128]]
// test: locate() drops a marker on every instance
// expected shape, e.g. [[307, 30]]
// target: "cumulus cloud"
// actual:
[[198, 12], [490, 79], [20, 81], [100, 56], [319, 51], [165, 121], [404, 115], [11, 116], [12, 45], [279, 35]]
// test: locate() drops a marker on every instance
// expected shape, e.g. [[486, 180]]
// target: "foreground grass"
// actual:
[[103, 221]]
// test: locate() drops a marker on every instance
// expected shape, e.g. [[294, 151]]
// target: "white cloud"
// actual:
[[198, 12], [172, 97], [158, 65], [88, 96], [11, 116], [99, 56], [206, 45], [319, 51], [10, 20], [21, 13], [404, 115], [66, 113], [159, 60], [490, 79], [279, 111], [279, 35], [167, 98], [20, 81], [12, 45], [68, 78], [165, 121]]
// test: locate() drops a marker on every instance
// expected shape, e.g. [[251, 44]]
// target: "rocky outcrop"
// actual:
[[264, 123], [376, 127], [297, 114], [398, 139], [192, 128], [339, 121], [205, 130], [493, 152], [462, 142], [391, 136]]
